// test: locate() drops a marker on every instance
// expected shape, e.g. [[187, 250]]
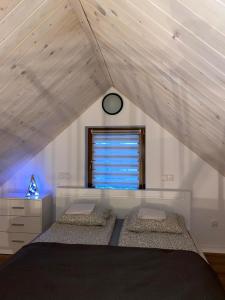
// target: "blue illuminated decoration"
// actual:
[[32, 192], [116, 161]]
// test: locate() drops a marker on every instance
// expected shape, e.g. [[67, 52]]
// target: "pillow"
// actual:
[[150, 213], [80, 208], [170, 224], [98, 217]]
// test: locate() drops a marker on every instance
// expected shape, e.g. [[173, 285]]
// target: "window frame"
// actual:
[[89, 152]]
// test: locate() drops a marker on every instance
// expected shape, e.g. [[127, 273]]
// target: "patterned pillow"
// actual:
[[170, 224], [97, 217]]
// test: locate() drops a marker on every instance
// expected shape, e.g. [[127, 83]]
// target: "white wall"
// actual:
[[62, 162]]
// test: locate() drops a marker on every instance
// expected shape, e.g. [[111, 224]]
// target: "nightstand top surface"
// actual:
[[22, 196]]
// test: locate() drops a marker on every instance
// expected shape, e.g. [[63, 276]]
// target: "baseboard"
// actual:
[[212, 249], [6, 251]]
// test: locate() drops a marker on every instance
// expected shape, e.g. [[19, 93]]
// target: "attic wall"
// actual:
[[168, 57], [49, 74], [62, 162]]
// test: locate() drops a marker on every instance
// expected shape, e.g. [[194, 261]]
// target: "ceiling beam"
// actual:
[[85, 24]]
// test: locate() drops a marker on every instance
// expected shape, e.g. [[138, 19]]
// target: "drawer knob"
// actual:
[[14, 224], [18, 241], [17, 207]]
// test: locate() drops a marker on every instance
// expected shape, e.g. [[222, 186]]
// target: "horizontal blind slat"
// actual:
[[117, 174], [115, 156], [111, 152], [115, 179], [124, 132], [115, 170], [116, 187], [114, 183]]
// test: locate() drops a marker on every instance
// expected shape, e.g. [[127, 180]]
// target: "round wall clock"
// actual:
[[112, 104]]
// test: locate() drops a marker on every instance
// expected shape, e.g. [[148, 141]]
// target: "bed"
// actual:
[[59, 270], [162, 240], [62, 271], [73, 234]]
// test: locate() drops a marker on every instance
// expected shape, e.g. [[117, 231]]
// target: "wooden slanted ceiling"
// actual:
[[168, 57], [58, 56], [49, 74]]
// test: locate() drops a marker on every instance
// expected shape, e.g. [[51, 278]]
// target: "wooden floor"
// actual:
[[4, 257], [217, 262]]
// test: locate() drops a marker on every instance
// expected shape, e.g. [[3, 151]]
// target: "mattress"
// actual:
[[173, 241], [74, 234]]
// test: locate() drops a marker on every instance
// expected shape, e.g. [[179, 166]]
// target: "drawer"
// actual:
[[19, 207], [20, 224], [12, 242]]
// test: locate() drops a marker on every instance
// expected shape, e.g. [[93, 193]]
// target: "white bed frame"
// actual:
[[122, 201]]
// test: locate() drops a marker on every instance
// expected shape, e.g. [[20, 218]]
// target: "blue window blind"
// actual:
[[116, 159]]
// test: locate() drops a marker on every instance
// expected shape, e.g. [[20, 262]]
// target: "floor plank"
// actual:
[[217, 262], [4, 257]]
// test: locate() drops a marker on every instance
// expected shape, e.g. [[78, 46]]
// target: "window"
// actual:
[[116, 158]]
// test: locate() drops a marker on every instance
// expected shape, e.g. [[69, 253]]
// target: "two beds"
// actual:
[[110, 262]]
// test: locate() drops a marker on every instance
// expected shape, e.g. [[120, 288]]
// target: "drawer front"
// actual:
[[12, 242], [20, 224], [20, 207]]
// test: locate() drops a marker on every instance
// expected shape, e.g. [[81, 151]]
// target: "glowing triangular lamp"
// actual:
[[33, 189]]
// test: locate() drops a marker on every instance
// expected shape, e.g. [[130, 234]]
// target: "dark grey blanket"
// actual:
[[59, 271]]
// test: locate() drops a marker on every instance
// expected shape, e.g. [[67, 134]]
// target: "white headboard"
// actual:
[[122, 201]]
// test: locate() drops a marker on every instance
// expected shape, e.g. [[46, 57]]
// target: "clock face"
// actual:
[[112, 104]]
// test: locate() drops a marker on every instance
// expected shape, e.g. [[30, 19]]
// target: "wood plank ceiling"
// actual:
[[49, 74], [168, 57], [58, 56]]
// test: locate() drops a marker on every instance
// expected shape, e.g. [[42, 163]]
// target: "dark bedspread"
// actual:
[[58, 271]]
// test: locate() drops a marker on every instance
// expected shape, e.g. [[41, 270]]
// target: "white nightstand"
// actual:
[[21, 220]]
